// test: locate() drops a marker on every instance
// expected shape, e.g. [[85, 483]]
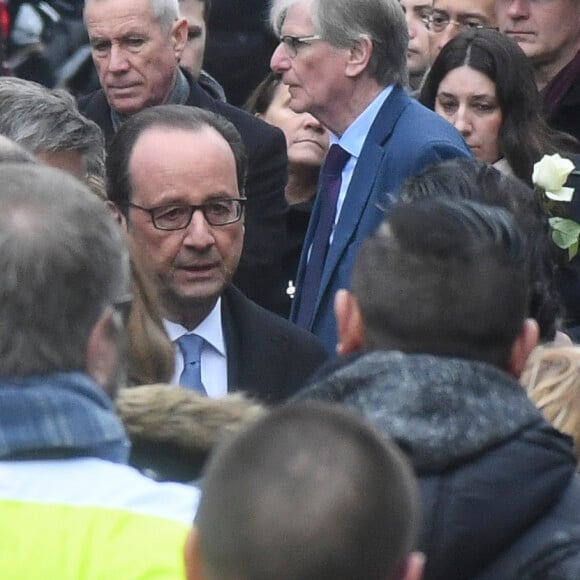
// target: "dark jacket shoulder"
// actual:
[[268, 357]]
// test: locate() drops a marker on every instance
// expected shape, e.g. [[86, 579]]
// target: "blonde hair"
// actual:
[[151, 356], [552, 381]]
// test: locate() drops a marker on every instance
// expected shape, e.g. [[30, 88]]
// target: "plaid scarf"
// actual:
[[59, 415]]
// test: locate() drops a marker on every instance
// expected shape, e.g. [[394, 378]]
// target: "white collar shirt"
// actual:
[[214, 362]]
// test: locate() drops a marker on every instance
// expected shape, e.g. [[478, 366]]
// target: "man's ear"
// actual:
[[415, 565], [117, 214], [178, 37], [523, 345], [359, 56], [192, 556], [349, 323], [102, 351]]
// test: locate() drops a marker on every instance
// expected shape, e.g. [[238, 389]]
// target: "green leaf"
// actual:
[[565, 234]]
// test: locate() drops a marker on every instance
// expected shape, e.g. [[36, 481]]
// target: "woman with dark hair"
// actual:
[[483, 84], [307, 143]]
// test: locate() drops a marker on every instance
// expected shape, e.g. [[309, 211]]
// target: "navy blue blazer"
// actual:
[[404, 139]]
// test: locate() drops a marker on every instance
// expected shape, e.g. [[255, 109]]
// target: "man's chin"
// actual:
[[125, 106]]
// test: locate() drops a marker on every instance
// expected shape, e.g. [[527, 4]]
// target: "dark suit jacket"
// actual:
[[260, 272], [268, 357], [404, 139]]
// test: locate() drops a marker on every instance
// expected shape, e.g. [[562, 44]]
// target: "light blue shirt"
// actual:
[[353, 140], [214, 362]]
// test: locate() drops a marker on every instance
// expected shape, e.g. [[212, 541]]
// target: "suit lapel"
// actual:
[[232, 340], [363, 182]]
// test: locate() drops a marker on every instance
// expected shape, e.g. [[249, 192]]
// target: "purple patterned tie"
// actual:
[[331, 177]]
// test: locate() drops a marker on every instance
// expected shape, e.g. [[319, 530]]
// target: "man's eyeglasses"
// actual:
[[293, 43], [177, 216], [439, 21]]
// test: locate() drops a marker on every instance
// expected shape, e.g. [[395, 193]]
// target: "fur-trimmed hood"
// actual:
[[171, 424]]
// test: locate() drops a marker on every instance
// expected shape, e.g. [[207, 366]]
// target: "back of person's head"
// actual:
[[344, 22], [309, 492], [444, 277], [11, 152], [63, 261], [48, 122], [478, 181], [552, 380]]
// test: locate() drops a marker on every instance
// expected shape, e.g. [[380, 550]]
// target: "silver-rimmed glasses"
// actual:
[[293, 43]]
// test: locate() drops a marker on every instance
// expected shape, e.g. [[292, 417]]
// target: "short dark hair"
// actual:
[[444, 277], [468, 178], [524, 135], [178, 117], [63, 261], [309, 492]]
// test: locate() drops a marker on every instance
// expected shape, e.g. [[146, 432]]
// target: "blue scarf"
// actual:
[[59, 414]]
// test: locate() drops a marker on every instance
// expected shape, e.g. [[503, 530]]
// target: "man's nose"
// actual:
[[199, 234], [518, 9], [117, 60], [280, 60]]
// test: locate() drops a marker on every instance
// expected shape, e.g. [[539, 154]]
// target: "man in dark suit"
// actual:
[[177, 181], [345, 62], [136, 46]]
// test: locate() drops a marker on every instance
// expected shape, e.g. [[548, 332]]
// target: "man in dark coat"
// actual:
[[177, 181], [438, 310], [136, 48]]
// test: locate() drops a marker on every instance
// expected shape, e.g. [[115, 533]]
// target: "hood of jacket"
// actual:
[[489, 465], [181, 417]]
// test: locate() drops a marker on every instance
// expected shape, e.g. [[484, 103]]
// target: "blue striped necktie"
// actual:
[[191, 345]]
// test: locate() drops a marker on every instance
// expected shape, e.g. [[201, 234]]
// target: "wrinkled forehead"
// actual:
[[109, 12], [466, 8]]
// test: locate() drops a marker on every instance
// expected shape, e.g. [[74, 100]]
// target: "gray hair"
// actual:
[[342, 23], [12, 152], [63, 260], [44, 120], [165, 12]]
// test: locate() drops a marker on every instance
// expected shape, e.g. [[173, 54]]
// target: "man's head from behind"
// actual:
[[65, 276], [177, 175], [48, 124], [469, 178], [136, 47], [442, 277], [310, 492]]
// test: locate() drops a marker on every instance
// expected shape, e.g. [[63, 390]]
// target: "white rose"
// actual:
[[550, 174]]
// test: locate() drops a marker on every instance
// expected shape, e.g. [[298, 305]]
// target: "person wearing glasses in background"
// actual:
[[450, 17], [176, 177], [334, 58]]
